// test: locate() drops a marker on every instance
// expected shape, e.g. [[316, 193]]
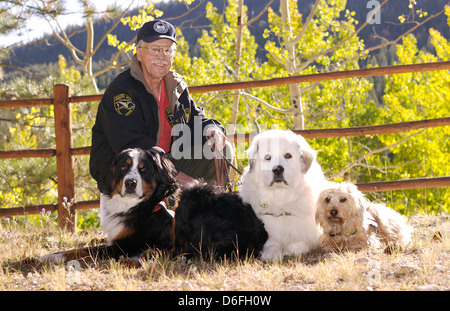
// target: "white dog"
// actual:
[[282, 184]]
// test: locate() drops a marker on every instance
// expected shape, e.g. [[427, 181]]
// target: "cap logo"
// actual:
[[160, 27]]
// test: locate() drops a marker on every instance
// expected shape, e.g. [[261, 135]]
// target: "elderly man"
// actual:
[[144, 105]]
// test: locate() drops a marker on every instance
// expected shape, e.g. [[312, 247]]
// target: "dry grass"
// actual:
[[424, 265]]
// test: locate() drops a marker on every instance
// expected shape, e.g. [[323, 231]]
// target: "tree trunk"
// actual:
[[87, 68], [294, 89], [237, 66]]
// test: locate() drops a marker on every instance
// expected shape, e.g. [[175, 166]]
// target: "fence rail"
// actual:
[[64, 151]]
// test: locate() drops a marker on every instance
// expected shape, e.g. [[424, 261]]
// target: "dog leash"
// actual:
[[222, 175]]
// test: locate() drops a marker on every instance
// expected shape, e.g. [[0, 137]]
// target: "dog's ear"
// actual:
[[156, 153], [158, 150], [368, 221], [319, 206], [306, 159], [362, 202], [252, 155], [370, 216], [317, 217], [163, 164], [166, 172], [307, 154], [351, 188]]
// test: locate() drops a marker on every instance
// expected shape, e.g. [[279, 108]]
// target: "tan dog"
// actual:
[[349, 221]]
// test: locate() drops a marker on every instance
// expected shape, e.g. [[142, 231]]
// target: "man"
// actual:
[[142, 106]]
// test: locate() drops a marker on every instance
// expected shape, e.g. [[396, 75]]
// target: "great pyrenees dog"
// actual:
[[282, 184]]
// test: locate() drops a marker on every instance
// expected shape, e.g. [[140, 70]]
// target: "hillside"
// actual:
[[37, 57]]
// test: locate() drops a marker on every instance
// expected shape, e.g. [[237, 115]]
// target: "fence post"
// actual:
[[64, 158]]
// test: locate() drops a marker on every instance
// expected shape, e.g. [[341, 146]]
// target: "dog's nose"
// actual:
[[130, 184], [278, 170], [334, 212]]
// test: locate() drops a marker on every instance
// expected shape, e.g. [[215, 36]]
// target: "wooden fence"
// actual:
[[65, 152]]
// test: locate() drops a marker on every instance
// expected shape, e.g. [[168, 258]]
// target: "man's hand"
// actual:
[[215, 137], [184, 179]]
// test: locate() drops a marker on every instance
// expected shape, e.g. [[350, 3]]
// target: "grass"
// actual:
[[423, 265]]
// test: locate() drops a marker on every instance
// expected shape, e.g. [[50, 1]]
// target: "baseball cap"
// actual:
[[156, 29]]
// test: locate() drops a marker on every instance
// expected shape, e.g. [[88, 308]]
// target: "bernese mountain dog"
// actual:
[[132, 212], [213, 223], [135, 218]]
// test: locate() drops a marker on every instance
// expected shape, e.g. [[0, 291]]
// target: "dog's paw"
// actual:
[[53, 258], [271, 253], [297, 248], [130, 262]]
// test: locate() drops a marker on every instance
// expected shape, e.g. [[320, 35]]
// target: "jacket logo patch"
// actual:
[[169, 115], [123, 104], [187, 114]]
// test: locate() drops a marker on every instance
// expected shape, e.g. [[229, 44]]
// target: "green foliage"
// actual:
[[27, 181], [328, 44], [33, 181], [216, 63], [88, 220], [419, 96], [328, 104]]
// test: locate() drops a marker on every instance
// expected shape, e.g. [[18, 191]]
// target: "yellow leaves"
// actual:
[[12, 198], [68, 75], [135, 22], [447, 12], [418, 96], [112, 40], [441, 44], [411, 16], [421, 13], [146, 14], [348, 13], [350, 16], [127, 47], [407, 52], [188, 2]]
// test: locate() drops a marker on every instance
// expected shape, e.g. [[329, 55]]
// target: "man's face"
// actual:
[[156, 66]]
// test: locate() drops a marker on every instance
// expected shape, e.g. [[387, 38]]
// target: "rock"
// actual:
[[186, 286], [362, 260], [440, 268], [408, 270]]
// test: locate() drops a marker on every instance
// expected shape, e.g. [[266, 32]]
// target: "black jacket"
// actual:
[[128, 117]]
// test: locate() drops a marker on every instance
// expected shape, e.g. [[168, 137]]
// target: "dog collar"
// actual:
[[264, 205], [346, 234], [157, 207], [277, 215], [162, 205], [173, 200]]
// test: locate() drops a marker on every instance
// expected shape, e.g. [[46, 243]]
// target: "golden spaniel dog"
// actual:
[[351, 222]]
